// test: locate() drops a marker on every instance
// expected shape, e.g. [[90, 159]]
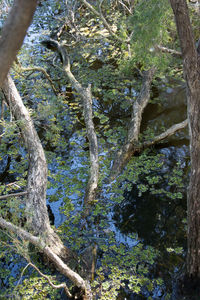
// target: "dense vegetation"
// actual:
[[125, 51]]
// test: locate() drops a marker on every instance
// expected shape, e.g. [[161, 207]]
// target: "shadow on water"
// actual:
[[159, 219]]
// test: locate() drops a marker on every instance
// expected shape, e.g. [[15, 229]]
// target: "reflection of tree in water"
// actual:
[[155, 219], [158, 219]]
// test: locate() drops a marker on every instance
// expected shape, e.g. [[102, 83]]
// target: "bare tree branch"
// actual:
[[127, 150], [55, 286], [13, 33], [169, 132], [36, 209], [13, 195], [129, 10], [38, 242], [100, 15], [167, 50], [37, 175], [86, 96], [38, 69]]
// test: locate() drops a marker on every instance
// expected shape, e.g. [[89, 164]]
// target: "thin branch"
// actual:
[[172, 130], [58, 286], [100, 15], [167, 50], [39, 69], [38, 242], [13, 195], [126, 7], [22, 274]]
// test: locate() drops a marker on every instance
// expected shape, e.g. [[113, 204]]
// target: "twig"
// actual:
[[58, 286], [100, 15], [13, 195], [167, 50], [125, 6], [41, 244], [39, 69]]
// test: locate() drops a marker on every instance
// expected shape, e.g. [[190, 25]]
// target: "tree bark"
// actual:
[[13, 33], [191, 65], [126, 152], [86, 97], [36, 210], [53, 257]]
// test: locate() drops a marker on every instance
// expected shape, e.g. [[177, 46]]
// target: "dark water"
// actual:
[[158, 220]]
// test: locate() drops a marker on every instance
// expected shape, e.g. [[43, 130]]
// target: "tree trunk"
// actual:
[[13, 33], [191, 66], [36, 210]]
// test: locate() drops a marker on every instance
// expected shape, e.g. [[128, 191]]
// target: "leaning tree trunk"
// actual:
[[45, 237], [36, 210], [191, 66]]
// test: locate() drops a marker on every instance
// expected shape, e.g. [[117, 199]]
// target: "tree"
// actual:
[[80, 53], [13, 33], [191, 65], [36, 209]]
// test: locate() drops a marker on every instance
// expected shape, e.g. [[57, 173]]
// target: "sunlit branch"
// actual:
[[38, 242], [100, 15], [169, 132], [39, 69], [167, 50]]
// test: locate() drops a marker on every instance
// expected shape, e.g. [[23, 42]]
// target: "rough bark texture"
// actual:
[[13, 33], [86, 96], [37, 173], [191, 66], [129, 147], [38, 242], [36, 210]]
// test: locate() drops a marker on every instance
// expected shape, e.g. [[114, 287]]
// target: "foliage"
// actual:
[[127, 268], [114, 71]]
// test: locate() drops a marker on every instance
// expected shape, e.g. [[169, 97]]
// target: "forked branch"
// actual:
[[39, 243]]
